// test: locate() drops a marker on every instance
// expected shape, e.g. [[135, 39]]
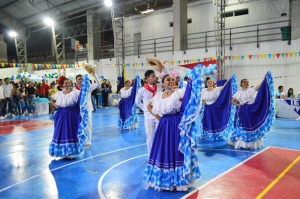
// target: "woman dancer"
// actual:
[[217, 113], [70, 120], [255, 114], [173, 162], [127, 117]]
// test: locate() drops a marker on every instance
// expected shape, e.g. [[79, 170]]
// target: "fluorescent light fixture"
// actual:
[[49, 22], [12, 34], [147, 11], [108, 3]]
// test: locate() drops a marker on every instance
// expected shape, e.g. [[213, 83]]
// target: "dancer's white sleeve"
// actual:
[[97, 85]]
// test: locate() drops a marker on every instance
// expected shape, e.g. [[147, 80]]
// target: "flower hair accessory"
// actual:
[[60, 80]]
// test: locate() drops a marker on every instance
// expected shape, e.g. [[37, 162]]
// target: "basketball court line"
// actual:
[[101, 194], [38, 175], [222, 174], [198, 149], [277, 179]]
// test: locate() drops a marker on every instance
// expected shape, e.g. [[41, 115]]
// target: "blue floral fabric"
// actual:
[[217, 119], [70, 127], [190, 111], [127, 107], [254, 121]]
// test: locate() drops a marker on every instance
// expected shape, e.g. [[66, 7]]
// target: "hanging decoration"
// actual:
[[208, 60]]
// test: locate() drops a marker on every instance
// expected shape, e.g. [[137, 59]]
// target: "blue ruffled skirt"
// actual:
[[254, 121], [218, 118], [65, 141], [127, 108], [165, 165]]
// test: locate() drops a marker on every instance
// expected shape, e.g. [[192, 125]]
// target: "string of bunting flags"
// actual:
[[173, 62], [36, 65], [214, 58]]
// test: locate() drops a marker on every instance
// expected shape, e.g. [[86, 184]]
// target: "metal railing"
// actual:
[[255, 33], [148, 46]]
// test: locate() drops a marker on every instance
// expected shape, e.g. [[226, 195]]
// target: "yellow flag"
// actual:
[[291, 54], [2, 64], [273, 55]]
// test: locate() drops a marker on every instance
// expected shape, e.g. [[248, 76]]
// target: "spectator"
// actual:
[[290, 94], [24, 99], [278, 94], [94, 98], [31, 96], [46, 88], [52, 92], [105, 91], [40, 91], [110, 87], [119, 86], [177, 82], [16, 100], [7, 87]]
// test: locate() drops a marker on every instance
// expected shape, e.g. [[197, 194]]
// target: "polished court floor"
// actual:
[[113, 166]]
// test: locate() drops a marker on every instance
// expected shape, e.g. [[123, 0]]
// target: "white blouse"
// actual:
[[167, 105], [243, 97], [210, 96], [125, 93], [65, 100]]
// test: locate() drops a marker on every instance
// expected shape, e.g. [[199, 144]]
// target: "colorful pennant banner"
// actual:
[[169, 62]]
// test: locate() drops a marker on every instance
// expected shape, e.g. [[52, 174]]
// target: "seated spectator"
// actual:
[[290, 94], [278, 94]]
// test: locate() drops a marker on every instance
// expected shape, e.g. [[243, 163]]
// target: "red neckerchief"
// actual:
[[152, 90], [77, 87]]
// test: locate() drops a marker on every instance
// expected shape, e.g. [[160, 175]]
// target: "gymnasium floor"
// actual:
[[113, 166]]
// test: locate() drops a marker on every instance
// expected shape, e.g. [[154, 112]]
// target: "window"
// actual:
[[241, 12], [189, 20], [235, 13]]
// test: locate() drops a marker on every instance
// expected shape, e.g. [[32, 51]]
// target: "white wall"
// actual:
[[4, 72]]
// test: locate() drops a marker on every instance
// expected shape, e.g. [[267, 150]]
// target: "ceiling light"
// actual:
[[12, 34], [49, 22], [108, 3], [147, 11]]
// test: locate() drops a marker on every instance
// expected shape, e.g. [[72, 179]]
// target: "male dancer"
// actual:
[[89, 102], [144, 95]]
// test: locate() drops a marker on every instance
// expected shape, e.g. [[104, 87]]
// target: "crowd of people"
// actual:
[[288, 95], [17, 99]]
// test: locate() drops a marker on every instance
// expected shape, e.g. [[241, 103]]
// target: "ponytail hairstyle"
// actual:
[[61, 80]]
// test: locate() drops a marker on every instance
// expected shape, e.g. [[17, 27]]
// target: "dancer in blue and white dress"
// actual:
[[217, 113], [255, 114], [173, 161], [70, 120], [127, 107]]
